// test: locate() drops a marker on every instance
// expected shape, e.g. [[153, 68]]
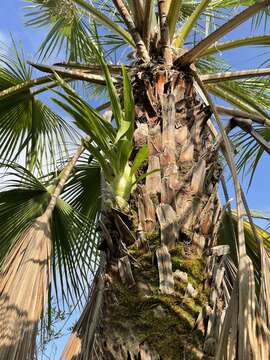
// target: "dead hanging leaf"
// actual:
[[73, 347], [25, 279], [243, 321], [227, 341], [265, 289], [263, 313], [81, 342], [24, 282], [263, 337], [239, 336]]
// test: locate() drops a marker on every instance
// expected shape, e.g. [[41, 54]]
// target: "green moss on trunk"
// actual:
[[165, 322]]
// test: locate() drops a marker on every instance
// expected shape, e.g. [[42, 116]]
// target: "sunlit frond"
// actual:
[[28, 127], [226, 238], [70, 28], [72, 233]]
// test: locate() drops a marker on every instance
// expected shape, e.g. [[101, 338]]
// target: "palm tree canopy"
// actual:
[[88, 36]]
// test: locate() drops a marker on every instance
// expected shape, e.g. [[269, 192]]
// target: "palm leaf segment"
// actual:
[[227, 233], [70, 27], [27, 125], [73, 240]]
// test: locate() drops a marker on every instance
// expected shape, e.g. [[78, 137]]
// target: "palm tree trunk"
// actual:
[[156, 282]]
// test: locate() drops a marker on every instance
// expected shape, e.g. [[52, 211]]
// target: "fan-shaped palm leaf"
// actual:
[[226, 237], [27, 252], [28, 126], [70, 28]]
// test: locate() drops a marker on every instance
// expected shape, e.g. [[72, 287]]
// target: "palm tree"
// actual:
[[175, 274]]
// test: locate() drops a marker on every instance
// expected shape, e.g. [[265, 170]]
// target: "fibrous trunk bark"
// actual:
[[156, 279]]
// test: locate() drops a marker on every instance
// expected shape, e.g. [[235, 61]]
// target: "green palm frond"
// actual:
[[106, 145], [94, 91], [224, 8], [226, 238], [72, 24], [23, 199], [105, 21], [244, 95], [27, 125], [202, 17], [211, 64], [74, 242], [82, 199], [193, 54], [250, 95], [92, 124], [262, 40], [188, 26], [249, 152], [67, 33], [83, 189], [75, 252]]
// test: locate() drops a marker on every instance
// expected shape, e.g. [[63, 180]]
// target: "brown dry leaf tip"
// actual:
[[25, 278]]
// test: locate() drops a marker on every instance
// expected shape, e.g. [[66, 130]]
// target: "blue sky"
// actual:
[[12, 21]]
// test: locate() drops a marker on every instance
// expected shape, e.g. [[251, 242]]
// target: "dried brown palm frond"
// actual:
[[265, 290], [24, 282], [73, 347], [80, 344], [245, 332], [25, 279]]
